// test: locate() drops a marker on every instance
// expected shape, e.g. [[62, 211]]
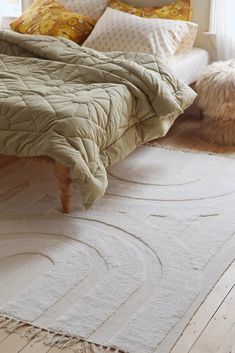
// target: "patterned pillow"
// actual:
[[48, 17], [120, 31], [92, 8], [178, 10]]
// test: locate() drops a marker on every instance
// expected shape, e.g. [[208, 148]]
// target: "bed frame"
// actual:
[[61, 173], [65, 183]]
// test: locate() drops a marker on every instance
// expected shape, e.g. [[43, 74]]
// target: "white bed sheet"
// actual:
[[189, 66]]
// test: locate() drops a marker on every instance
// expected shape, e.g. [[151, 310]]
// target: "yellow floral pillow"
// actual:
[[178, 10], [48, 17]]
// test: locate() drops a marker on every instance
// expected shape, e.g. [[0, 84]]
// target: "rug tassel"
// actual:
[[4, 322], [54, 339], [15, 327]]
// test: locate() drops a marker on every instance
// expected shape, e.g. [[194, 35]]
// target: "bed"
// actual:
[[85, 110], [189, 66]]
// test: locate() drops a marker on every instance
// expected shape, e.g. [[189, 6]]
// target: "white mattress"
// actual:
[[190, 66]]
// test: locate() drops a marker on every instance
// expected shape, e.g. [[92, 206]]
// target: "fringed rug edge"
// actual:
[[228, 155], [54, 338]]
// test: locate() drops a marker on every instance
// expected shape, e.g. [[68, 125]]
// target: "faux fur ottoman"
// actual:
[[216, 98]]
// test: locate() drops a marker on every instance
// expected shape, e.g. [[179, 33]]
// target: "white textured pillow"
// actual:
[[120, 31], [91, 8]]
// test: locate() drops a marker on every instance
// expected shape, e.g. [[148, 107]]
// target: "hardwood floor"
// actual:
[[16, 342], [212, 329], [185, 135]]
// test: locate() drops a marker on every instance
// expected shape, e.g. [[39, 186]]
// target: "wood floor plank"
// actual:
[[58, 350], [7, 160], [220, 293], [185, 135], [14, 342], [36, 346], [230, 299], [3, 335], [219, 335]]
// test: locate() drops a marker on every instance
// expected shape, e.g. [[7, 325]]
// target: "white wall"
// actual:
[[201, 15]]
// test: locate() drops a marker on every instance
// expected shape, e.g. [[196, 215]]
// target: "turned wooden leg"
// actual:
[[65, 183]]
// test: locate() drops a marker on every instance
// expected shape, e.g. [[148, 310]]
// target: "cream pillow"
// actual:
[[90, 8], [120, 31]]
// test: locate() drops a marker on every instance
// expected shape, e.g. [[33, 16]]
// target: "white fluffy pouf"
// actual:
[[216, 98]]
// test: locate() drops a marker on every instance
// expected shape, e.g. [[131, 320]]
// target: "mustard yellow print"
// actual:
[[48, 17], [23, 28], [174, 13], [65, 15], [164, 11], [178, 10], [46, 26], [72, 21], [62, 33]]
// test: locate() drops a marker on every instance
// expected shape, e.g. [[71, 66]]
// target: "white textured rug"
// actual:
[[131, 271]]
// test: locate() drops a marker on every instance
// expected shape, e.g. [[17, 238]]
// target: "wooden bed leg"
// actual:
[[65, 183]]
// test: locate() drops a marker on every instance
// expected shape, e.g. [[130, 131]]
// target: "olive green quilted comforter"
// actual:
[[83, 108]]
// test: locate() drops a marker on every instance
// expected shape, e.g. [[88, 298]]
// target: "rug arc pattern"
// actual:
[[125, 272]]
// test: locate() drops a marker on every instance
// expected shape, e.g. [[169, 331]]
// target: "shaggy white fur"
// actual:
[[216, 98]]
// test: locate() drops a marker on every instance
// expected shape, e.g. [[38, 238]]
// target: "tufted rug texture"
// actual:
[[131, 271]]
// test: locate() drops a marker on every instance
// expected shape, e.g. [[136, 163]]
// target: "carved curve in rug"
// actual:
[[153, 184], [134, 265], [141, 294], [91, 263], [170, 200], [162, 175], [130, 244], [20, 269]]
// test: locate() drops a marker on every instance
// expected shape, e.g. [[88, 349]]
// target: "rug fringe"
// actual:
[[54, 338], [226, 154]]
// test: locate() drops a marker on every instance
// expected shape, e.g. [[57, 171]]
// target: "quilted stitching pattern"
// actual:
[[83, 108]]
